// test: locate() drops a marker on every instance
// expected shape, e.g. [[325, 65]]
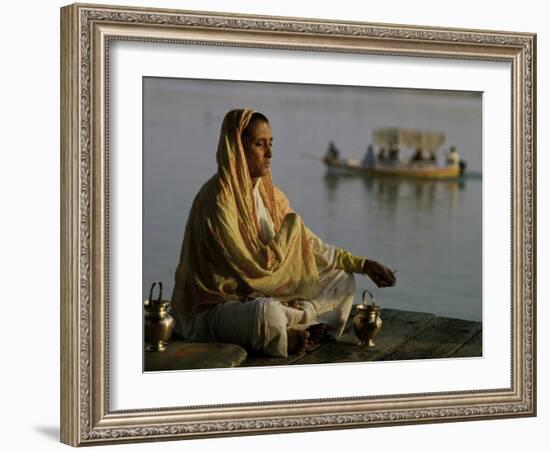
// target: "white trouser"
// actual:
[[262, 323]]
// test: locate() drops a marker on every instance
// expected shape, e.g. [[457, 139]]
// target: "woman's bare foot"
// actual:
[[297, 341], [317, 333]]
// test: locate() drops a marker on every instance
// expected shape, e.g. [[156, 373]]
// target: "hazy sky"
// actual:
[[309, 116]]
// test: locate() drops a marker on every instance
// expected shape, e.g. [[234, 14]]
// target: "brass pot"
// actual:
[[158, 324], [367, 323]]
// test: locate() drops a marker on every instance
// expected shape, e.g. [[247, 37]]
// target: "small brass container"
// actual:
[[158, 324], [367, 323]]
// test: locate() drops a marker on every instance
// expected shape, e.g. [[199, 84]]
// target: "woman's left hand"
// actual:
[[379, 274]]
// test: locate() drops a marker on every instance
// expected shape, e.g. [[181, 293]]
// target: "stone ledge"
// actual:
[[405, 335], [182, 355]]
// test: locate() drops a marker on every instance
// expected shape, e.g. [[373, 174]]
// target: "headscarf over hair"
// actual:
[[222, 256]]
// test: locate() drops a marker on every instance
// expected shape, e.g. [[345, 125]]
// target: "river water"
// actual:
[[429, 231]]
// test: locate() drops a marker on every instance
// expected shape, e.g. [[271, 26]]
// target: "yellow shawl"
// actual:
[[222, 256]]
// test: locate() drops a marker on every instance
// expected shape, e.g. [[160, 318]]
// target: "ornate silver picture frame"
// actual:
[[87, 35]]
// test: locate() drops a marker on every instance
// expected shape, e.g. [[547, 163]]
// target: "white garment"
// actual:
[[267, 229], [453, 159], [262, 323]]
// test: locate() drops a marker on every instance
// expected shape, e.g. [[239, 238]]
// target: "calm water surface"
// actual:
[[429, 231]]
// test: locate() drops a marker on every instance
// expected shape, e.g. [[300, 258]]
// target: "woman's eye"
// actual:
[[263, 144]]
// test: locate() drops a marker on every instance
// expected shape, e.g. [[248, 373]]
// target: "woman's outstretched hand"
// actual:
[[379, 274]]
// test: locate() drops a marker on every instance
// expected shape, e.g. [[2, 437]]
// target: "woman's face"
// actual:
[[257, 148]]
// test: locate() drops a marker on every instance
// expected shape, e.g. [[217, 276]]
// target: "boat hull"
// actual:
[[342, 167]]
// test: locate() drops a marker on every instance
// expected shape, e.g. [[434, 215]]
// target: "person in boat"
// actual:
[[383, 155], [250, 271], [452, 157], [393, 154], [332, 152], [368, 159], [417, 156]]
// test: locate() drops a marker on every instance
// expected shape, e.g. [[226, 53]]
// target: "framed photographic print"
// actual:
[[267, 222]]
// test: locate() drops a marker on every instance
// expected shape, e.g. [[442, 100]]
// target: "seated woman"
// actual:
[[250, 271]]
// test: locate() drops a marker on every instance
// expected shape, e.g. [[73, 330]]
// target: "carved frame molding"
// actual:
[[86, 33]]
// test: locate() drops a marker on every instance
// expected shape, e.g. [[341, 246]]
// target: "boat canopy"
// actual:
[[406, 137]]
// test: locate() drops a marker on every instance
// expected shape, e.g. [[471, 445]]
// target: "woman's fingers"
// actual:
[[380, 274], [391, 277], [386, 277]]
